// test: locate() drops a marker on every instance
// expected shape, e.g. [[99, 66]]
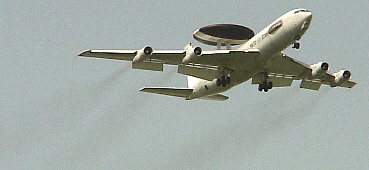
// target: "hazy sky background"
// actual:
[[62, 111]]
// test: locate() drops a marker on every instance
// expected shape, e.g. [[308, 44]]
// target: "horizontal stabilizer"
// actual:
[[181, 92], [218, 97], [177, 92]]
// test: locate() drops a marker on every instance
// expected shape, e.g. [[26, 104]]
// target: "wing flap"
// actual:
[[204, 72], [283, 64], [309, 84], [207, 65], [279, 80], [149, 65]]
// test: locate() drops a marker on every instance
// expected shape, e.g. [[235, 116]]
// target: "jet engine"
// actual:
[[341, 77], [191, 53], [142, 54], [319, 69]]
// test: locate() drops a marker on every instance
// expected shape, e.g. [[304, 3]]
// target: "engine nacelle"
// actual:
[[341, 77], [191, 53], [142, 54], [319, 69]]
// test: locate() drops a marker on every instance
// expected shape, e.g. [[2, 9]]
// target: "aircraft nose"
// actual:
[[308, 16]]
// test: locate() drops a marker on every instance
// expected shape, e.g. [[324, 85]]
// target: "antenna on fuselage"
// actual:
[[226, 35]]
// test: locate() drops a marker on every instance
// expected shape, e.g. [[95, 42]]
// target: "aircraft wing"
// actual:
[[170, 56], [204, 66], [284, 69], [173, 57], [284, 65]]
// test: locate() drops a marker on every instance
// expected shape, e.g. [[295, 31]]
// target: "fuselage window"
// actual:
[[275, 27]]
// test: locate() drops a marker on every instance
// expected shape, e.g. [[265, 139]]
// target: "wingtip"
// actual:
[[354, 84], [83, 53]]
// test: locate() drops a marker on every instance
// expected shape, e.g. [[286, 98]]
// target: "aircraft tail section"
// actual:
[[192, 81], [181, 92], [177, 92], [217, 97]]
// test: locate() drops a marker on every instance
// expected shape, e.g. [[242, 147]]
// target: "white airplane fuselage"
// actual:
[[277, 36]]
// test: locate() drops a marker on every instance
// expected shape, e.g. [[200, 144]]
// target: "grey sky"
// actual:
[[61, 111]]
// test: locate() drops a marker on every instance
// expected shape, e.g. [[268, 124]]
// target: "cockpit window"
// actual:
[[300, 10], [275, 27]]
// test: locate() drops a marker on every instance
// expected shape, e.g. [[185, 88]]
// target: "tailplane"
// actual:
[[217, 97], [181, 92], [177, 92]]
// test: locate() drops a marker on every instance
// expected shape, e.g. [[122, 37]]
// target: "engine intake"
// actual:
[[341, 77], [142, 54], [191, 53], [346, 74], [319, 69], [197, 50]]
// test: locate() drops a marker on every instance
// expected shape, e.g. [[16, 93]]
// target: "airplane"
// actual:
[[258, 57]]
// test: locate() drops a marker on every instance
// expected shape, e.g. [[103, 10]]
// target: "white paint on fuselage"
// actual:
[[295, 23], [269, 44]]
